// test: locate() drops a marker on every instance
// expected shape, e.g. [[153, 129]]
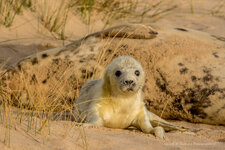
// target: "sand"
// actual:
[[25, 37], [64, 135]]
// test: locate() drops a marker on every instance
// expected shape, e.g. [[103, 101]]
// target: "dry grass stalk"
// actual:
[[10, 8], [53, 14]]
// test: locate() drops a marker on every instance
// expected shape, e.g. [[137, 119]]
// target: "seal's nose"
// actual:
[[128, 82]]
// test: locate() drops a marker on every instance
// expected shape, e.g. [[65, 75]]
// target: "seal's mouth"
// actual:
[[126, 89], [130, 89], [128, 86]]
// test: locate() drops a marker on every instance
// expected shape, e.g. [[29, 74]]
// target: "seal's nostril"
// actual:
[[131, 81], [128, 81]]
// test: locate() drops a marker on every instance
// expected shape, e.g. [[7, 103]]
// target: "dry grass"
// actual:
[[107, 11], [8, 10], [54, 15], [113, 10], [35, 114]]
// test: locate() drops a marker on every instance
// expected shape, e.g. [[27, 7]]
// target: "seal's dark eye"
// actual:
[[118, 73], [137, 72]]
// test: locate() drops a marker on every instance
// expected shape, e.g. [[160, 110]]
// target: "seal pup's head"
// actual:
[[124, 75]]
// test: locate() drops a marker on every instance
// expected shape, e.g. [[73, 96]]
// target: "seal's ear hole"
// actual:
[[137, 72], [118, 73]]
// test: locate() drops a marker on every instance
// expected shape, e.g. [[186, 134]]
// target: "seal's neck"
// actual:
[[106, 89]]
